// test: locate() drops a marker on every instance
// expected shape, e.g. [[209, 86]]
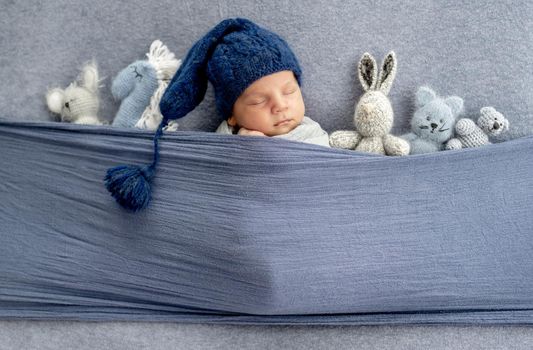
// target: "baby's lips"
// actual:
[[282, 122]]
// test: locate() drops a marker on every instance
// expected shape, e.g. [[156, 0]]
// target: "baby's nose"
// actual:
[[280, 105], [280, 108], [433, 125]]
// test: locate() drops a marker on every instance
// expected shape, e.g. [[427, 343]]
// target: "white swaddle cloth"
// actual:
[[308, 131]]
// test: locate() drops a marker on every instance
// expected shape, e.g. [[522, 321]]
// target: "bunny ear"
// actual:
[[55, 99], [89, 76], [388, 73], [368, 72]]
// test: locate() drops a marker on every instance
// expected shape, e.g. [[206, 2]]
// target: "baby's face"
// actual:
[[272, 105]]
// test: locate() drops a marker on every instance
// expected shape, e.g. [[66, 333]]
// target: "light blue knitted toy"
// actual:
[[433, 122], [141, 85]]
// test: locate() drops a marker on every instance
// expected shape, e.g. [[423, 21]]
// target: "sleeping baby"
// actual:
[[273, 106], [256, 78]]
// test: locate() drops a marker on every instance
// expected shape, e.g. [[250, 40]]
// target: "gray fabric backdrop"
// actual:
[[18, 335], [478, 50]]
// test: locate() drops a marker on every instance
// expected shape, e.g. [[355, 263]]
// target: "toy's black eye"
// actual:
[[67, 105], [137, 74], [442, 120]]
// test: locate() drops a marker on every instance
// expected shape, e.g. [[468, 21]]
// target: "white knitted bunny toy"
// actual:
[[79, 102], [374, 116], [468, 134]]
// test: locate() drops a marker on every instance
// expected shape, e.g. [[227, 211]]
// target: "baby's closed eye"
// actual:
[[289, 91], [256, 102]]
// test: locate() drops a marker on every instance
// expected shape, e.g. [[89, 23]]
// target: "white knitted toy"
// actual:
[[374, 116], [468, 134], [79, 102]]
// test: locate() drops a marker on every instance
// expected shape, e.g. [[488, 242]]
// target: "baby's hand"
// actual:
[[247, 132]]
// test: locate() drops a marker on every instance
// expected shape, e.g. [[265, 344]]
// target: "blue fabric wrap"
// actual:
[[258, 230]]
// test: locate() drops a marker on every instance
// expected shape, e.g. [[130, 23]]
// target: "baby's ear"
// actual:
[[232, 121], [55, 99], [456, 105], [424, 95]]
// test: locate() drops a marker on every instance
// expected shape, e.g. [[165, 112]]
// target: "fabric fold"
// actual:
[[260, 230]]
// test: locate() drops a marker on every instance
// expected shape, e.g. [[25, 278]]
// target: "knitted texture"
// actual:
[[468, 134], [141, 85], [165, 65], [233, 55], [152, 117], [433, 122], [134, 86], [79, 102], [373, 114], [130, 184]]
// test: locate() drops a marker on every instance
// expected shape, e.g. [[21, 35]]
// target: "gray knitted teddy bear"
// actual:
[[433, 121], [373, 117], [79, 102], [468, 134]]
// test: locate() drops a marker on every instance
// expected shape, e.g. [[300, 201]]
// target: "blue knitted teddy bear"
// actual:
[[433, 121]]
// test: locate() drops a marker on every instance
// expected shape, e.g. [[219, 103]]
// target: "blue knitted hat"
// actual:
[[233, 55]]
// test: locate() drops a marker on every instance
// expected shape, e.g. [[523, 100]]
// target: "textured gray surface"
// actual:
[[22, 335], [480, 51]]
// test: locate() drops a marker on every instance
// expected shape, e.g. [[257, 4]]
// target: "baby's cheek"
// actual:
[[254, 120], [300, 106]]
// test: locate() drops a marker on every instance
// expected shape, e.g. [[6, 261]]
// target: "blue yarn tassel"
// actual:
[[130, 184]]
